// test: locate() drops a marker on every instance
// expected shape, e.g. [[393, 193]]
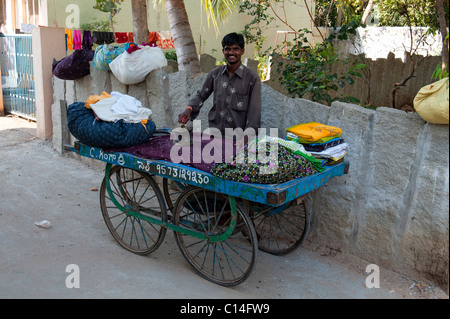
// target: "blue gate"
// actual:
[[16, 59]]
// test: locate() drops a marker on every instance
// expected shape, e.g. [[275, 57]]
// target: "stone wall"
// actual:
[[390, 209]]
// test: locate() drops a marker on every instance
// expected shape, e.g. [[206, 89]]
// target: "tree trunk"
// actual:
[[140, 25], [443, 27], [182, 36], [367, 12], [339, 16]]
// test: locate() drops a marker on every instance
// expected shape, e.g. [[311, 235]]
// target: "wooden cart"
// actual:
[[219, 224]]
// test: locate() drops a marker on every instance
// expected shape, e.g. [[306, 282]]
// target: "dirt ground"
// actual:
[[39, 184]]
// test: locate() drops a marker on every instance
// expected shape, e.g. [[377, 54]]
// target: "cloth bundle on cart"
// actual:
[[322, 141], [88, 129]]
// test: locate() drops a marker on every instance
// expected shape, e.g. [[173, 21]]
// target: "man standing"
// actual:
[[237, 92]]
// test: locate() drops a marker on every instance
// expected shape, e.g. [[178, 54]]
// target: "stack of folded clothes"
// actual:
[[322, 141]]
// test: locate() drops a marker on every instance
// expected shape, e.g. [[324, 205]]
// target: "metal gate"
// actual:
[[16, 59]]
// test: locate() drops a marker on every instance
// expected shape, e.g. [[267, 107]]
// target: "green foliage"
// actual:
[[102, 26], [171, 55], [326, 12], [108, 6], [420, 13], [310, 70], [440, 73], [417, 13], [253, 31]]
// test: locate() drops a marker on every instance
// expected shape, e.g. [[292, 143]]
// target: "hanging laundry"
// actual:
[[130, 37], [165, 40], [69, 40], [103, 37], [76, 39], [87, 40], [121, 37], [152, 37]]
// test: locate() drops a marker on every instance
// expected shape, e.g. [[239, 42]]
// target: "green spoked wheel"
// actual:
[[127, 197], [228, 253], [282, 229]]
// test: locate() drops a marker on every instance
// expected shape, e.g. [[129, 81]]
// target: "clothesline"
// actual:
[[84, 39]]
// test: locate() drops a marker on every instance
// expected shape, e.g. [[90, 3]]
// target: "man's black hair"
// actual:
[[232, 39]]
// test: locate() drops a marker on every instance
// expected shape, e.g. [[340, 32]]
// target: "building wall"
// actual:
[[203, 33]]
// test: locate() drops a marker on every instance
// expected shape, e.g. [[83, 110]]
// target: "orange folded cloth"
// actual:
[[95, 98], [314, 131]]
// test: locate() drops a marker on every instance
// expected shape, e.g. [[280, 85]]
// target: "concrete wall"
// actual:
[[48, 43], [391, 209], [395, 40]]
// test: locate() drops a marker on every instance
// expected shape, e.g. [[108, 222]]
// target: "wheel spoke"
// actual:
[[228, 262], [138, 192], [280, 230]]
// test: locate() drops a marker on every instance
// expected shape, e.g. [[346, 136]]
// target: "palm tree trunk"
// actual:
[[367, 12], [182, 36], [140, 24]]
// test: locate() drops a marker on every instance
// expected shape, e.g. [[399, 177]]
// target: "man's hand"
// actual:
[[184, 117]]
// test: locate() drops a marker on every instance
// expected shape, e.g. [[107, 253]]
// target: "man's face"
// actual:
[[233, 53]]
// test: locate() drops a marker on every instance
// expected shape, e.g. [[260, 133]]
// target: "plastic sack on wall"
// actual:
[[132, 68], [431, 102]]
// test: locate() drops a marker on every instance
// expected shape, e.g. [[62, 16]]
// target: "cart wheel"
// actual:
[[282, 229], [228, 262], [172, 190], [138, 192]]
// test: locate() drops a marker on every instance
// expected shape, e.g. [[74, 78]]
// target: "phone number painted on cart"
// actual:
[[175, 172]]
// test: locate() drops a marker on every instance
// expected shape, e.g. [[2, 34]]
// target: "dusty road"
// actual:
[[38, 184]]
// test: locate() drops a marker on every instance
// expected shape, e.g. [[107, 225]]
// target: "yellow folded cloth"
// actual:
[[95, 98], [314, 131]]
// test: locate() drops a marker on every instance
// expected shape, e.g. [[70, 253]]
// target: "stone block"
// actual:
[[60, 128], [273, 105], [303, 111], [207, 63]]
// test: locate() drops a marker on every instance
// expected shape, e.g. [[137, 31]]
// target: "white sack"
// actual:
[[132, 68]]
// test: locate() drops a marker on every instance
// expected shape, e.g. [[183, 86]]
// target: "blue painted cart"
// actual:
[[219, 225]]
